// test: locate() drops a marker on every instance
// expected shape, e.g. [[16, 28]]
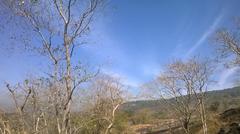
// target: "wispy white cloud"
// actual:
[[126, 79], [151, 69], [226, 78], [205, 35]]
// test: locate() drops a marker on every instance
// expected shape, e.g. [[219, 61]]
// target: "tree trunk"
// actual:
[[186, 126], [66, 114], [203, 117], [113, 118]]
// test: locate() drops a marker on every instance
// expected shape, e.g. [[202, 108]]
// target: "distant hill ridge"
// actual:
[[227, 98]]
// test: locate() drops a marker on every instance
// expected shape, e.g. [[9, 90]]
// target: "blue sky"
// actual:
[[140, 36], [133, 39]]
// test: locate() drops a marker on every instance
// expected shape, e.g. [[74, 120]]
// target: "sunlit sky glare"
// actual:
[[133, 39]]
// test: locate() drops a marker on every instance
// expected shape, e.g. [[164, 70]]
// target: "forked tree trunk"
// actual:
[[112, 120]]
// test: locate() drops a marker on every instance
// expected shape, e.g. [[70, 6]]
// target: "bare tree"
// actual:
[[199, 79], [58, 26], [182, 86], [106, 95], [30, 107], [21, 107], [228, 43]]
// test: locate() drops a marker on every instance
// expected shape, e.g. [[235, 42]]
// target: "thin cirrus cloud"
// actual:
[[204, 37], [125, 79], [226, 77]]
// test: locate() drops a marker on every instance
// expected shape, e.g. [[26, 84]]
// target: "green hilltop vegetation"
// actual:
[[226, 98]]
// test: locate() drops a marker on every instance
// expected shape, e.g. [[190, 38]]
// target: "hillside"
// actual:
[[151, 116], [226, 98], [220, 104]]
